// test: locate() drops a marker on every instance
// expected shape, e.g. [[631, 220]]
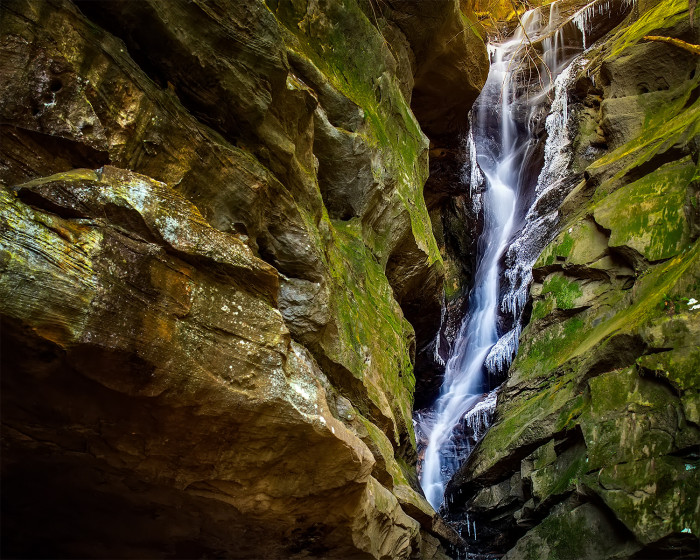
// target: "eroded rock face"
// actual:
[[213, 247], [593, 452]]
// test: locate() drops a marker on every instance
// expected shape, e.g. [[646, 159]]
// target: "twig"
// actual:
[[695, 49], [531, 46], [691, 10]]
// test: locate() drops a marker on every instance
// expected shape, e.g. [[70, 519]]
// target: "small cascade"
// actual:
[[497, 159], [553, 184], [518, 195]]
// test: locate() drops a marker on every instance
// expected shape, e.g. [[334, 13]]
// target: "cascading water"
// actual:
[[517, 225], [463, 384]]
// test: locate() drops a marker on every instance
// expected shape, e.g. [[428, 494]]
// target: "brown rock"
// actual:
[[205, 234]]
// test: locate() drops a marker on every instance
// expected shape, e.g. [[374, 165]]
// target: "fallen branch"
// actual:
[[695, 49], [691, 9], [531, 48]]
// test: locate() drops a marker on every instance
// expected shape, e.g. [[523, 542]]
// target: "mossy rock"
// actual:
[[564, 292], [648, 215], [581, 243], [561, 475], [572, 533], [653, 497], [631, 417]]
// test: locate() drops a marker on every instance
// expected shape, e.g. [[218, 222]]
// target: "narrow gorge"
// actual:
[[350, 279]]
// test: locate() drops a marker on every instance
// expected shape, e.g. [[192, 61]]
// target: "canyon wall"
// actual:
[[593, 452], [217, 266], [227, 232]]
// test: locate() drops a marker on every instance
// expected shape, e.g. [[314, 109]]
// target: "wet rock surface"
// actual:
[[593, 449], [217, 264]]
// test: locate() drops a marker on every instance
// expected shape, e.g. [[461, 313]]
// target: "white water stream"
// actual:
[[515, 229], [463, 382]]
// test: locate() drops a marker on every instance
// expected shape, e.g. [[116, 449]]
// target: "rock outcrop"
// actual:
[[594, 448], [217, 263]]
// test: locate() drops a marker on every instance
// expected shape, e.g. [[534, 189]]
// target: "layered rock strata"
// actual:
[[217, 263]]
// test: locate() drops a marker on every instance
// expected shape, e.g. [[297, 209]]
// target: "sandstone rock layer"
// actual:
[[217, 264]]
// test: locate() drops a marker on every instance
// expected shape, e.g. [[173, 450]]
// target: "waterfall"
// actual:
[[520, 215]]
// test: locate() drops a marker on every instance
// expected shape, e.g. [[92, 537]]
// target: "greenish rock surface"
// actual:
[[594, 448], [217, 263]]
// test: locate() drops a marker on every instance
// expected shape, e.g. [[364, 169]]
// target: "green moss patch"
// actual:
[[581, 243], [653, 497], [667, 125], [526, 420], [561, 475], [373, 337], [565, 292], [572, 533], [357, 61], [557, 250], [665, 15], [548, 349], [648, 214], [541, 308], [630, 417]]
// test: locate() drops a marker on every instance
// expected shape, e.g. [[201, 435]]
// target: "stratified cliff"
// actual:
[[216, 265], [594, 448]]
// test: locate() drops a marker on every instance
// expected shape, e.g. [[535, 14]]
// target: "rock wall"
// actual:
[[217, 263], [594, 449]]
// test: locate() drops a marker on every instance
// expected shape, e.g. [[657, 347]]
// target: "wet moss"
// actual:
[[665, 15], [529, 419], [648, 215], [373, 337], [556, 251], [565, 292], [561, 475], [549, 348], [556, 355], [571, 533], [653, 497], [630, 417], [355, 58], [680, 366], [666, 126], [541, 308]]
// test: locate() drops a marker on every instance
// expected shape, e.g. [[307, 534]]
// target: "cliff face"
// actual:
[[222, 270], [593, 450], [217, 263]]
